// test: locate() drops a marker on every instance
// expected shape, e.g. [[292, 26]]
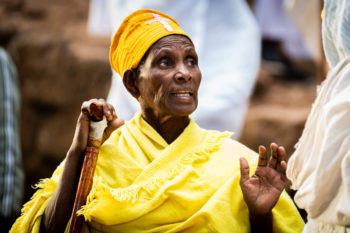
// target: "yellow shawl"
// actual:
[[144, 184]]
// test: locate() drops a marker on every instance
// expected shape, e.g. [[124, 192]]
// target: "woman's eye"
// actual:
[[164, 62], [191, 61]]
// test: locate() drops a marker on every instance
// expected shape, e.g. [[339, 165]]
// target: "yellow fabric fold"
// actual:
[[30, 219], [143, 184]]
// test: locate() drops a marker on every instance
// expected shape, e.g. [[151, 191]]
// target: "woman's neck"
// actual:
[[169, 127]]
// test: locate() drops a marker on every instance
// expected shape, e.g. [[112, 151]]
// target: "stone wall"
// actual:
[[58, 68]]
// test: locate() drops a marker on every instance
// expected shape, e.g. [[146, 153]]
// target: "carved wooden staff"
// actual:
[[98, 123]]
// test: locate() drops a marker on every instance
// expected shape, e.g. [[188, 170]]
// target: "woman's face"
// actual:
[[169, 78]]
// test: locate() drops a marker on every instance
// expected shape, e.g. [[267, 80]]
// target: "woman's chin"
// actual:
[[184, 111]]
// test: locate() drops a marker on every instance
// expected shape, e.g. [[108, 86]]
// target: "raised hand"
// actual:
[[262, 190]]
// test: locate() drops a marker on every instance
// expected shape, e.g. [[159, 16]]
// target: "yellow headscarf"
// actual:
[[137, 33]]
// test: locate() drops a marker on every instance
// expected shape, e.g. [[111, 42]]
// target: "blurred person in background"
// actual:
[[320, 167], [11, 178], [219, 29], [282, 41]]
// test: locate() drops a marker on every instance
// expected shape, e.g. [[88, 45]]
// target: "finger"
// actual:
[[81, 134], [274, 155], [244, 166], [92, 108], [282, 163], [283, 167], [262, 156], [109, 112], [112, 126], [114, 113], [282, 155], [85, 107]]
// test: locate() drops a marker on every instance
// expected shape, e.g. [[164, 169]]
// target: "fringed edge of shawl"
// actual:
[[45, 187], [131, 193]]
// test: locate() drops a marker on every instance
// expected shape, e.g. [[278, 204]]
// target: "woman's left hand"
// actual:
[[262, 190]]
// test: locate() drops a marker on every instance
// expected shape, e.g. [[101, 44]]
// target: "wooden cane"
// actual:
[[97, 125]]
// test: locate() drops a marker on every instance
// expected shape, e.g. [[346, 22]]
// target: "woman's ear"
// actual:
[[129, 80]]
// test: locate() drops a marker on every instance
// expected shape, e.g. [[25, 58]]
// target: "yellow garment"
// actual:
[[137, 33], [143, 184]]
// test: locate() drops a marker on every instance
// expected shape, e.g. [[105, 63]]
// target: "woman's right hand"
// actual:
[[82, 129], [60, 207]]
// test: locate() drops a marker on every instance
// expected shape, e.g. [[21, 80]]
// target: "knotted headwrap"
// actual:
[[137, 33]]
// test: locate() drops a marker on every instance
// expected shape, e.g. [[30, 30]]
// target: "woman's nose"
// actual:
[[183, 74]]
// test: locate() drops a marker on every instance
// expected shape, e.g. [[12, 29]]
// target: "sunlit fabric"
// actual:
[[320, 167], [144, 184]]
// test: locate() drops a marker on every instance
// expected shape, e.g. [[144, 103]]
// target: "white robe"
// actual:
[[320, 167]]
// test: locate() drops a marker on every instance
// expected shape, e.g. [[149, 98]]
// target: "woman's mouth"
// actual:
[[185, 93]]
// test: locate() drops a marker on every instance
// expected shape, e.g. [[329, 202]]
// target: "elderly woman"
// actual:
[[160, 172]]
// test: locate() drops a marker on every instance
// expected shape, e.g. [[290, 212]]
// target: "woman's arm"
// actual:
[[59, 209], [261, 191], [260, 223]]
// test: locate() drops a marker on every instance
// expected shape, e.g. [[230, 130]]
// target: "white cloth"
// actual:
[[320, 167], [227, 41], [307, 18], [336, 30], [275, 24], [318, 227]]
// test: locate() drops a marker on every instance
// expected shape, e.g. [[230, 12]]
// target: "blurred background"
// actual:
[[61, 63]]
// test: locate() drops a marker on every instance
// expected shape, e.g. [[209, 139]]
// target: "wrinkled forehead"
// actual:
[[172, 42]]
